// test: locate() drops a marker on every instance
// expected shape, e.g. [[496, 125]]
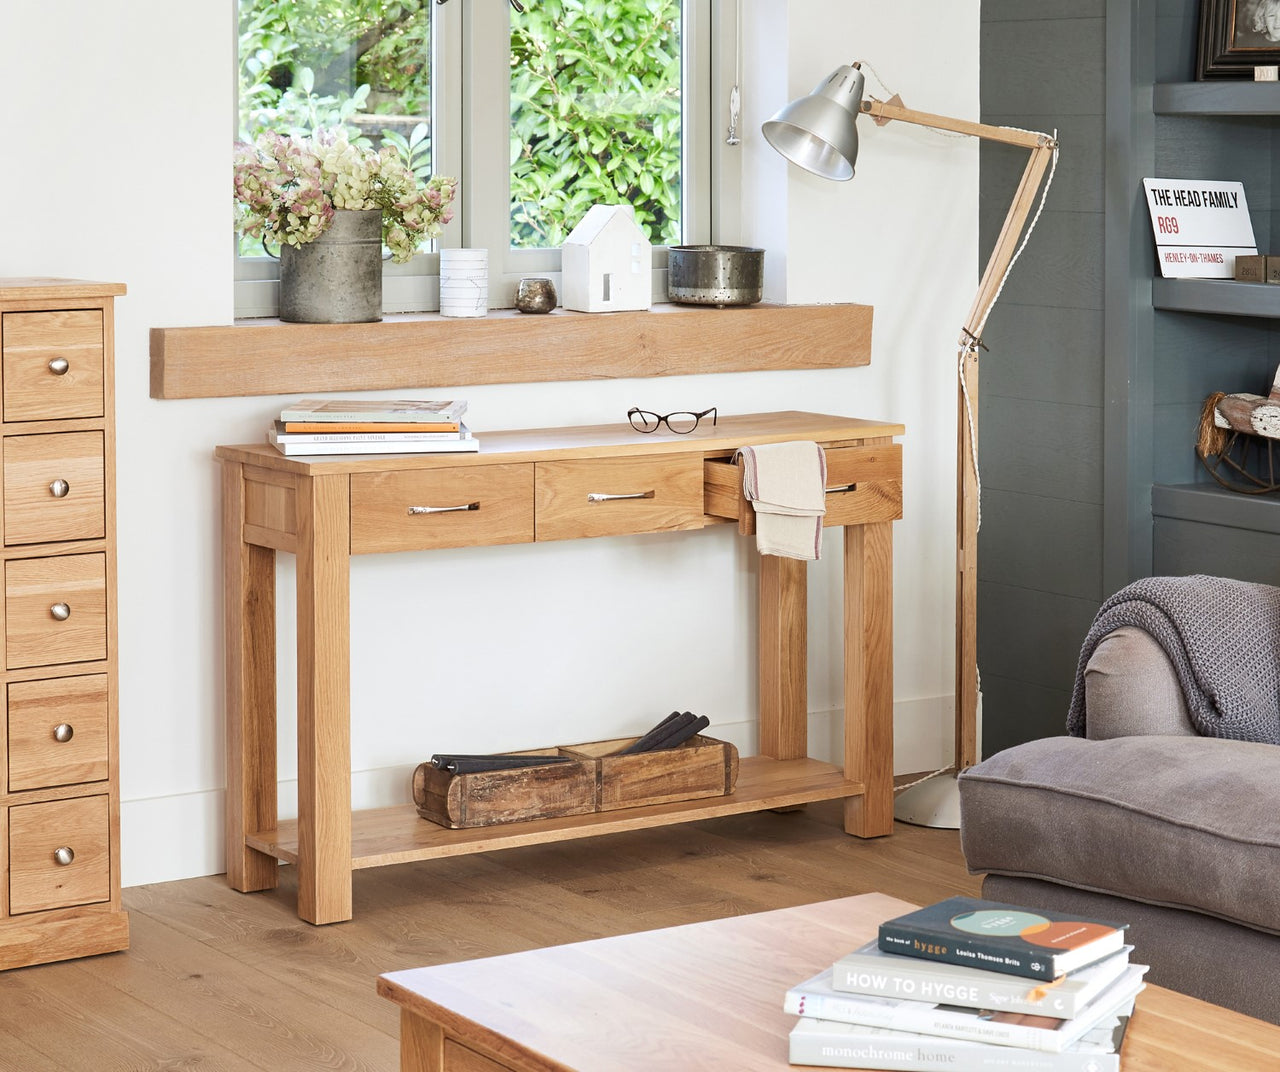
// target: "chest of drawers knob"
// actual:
[[59, 365], [416, 510], [59, 488], [63, 855], [63, 732], [61, 611]]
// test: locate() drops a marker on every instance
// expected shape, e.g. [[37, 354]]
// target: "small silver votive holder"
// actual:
[[535, 296]]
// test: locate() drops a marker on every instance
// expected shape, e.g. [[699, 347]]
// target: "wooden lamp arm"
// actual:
[[1042, 148]]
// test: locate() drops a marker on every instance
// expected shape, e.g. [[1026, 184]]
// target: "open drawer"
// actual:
[[864, 484]]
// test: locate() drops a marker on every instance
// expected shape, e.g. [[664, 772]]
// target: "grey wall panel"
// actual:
[[1184, 547], [1045, 448], [1043, 352], [1177, 28], [1202, 354], [1075, 180], [1040, 437], [1040, 636], [1027, 713], [1041, 543], [1042, 68], [1175, 427], [1062, 264], [1039, 10]]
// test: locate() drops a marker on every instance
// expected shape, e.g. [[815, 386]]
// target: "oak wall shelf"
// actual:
[[263, 357]]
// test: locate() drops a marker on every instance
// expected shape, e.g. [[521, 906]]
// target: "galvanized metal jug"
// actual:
[[336, 278]]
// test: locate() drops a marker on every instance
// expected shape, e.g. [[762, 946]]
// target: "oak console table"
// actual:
[[522, 487]]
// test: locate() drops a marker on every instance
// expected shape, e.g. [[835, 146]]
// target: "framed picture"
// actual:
[[1236, 36]]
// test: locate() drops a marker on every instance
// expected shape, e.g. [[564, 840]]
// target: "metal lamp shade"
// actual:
[[819, 132]]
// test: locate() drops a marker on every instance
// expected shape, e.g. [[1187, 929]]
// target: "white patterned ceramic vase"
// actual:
[[464, 282]]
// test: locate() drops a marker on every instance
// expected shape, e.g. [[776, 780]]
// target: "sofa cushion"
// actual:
[[1186, 822]]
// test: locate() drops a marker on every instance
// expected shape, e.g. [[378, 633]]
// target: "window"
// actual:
[[540, 114]]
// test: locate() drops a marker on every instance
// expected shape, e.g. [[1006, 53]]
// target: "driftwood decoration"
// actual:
[[1237, 437]]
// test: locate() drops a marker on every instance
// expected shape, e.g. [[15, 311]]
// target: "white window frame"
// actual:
[[471, 50]]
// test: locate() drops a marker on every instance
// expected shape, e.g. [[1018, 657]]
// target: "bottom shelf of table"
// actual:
[[398, 835]]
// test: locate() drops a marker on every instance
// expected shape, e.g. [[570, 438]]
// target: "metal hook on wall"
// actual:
[[514, 3]]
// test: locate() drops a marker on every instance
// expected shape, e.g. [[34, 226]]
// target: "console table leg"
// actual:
[[249, 624], [783, 658], [868, 676], [324, 700]]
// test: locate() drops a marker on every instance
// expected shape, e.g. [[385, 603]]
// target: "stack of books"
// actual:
[[972, 984], [364, 426]]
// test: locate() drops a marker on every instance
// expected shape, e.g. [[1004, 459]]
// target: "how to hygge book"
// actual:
[[870, 970], [1039, 943], [819, 999]]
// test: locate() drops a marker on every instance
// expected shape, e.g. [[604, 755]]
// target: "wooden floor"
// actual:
[[216, 980]]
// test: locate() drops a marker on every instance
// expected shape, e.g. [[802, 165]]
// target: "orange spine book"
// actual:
[[370, 426]]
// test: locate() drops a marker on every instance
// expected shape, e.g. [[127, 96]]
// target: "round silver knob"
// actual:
[[64, 854], [63, 732], [59, 365], [59, 488], [61, 611]]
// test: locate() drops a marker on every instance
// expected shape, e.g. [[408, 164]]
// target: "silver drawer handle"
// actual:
[[61, 611], [63, 732], [599, 496], [64, 854], [59, 365], [59, 488], [842, 487], [442, 509]]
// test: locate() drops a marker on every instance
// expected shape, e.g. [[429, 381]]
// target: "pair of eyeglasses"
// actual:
[[682, 423]]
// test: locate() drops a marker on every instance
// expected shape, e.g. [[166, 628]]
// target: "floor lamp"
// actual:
[[819, 133]]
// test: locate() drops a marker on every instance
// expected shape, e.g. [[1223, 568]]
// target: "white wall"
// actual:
[[118, 119]]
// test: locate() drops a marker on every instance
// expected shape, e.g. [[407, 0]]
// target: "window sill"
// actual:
[[423, 350]]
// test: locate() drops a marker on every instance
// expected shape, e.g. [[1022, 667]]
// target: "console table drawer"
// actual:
[[59, 854], [53, 365], [864, 485], [411, 510], [615, 496], [58, 732], [54, 487], [55, 610]]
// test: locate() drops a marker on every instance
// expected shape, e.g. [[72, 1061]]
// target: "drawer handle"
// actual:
[[59, 365], [600, 496], [59, 488], [442, 509], [63, 732], [61, 611], [842, 487], [63, 855]]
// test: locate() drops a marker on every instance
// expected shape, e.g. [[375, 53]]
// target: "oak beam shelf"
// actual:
[[385, 836], [426, 350]]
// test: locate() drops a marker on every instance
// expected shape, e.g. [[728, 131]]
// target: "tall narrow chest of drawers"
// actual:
[[59, 754]]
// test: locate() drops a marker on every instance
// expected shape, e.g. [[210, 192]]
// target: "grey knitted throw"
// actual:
[[1223, 638]]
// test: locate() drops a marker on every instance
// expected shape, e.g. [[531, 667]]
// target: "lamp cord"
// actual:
[[972, 342]]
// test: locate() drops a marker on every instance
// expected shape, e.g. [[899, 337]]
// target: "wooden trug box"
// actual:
[[597, 781]]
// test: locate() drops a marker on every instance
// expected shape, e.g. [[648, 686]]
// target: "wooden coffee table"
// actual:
[[707, 997]]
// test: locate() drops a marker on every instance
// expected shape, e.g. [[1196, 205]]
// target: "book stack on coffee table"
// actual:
[[972, 984], [313, 426]]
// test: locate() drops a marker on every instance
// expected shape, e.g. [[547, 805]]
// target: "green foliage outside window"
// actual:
[[595, 97], [595, 115]]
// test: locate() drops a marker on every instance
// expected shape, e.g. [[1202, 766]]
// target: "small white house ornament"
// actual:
[[605, 262]]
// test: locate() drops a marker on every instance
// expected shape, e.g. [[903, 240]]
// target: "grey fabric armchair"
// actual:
[[1142, 821]]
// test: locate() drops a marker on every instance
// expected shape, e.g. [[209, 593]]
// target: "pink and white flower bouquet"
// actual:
[[287, 189]]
